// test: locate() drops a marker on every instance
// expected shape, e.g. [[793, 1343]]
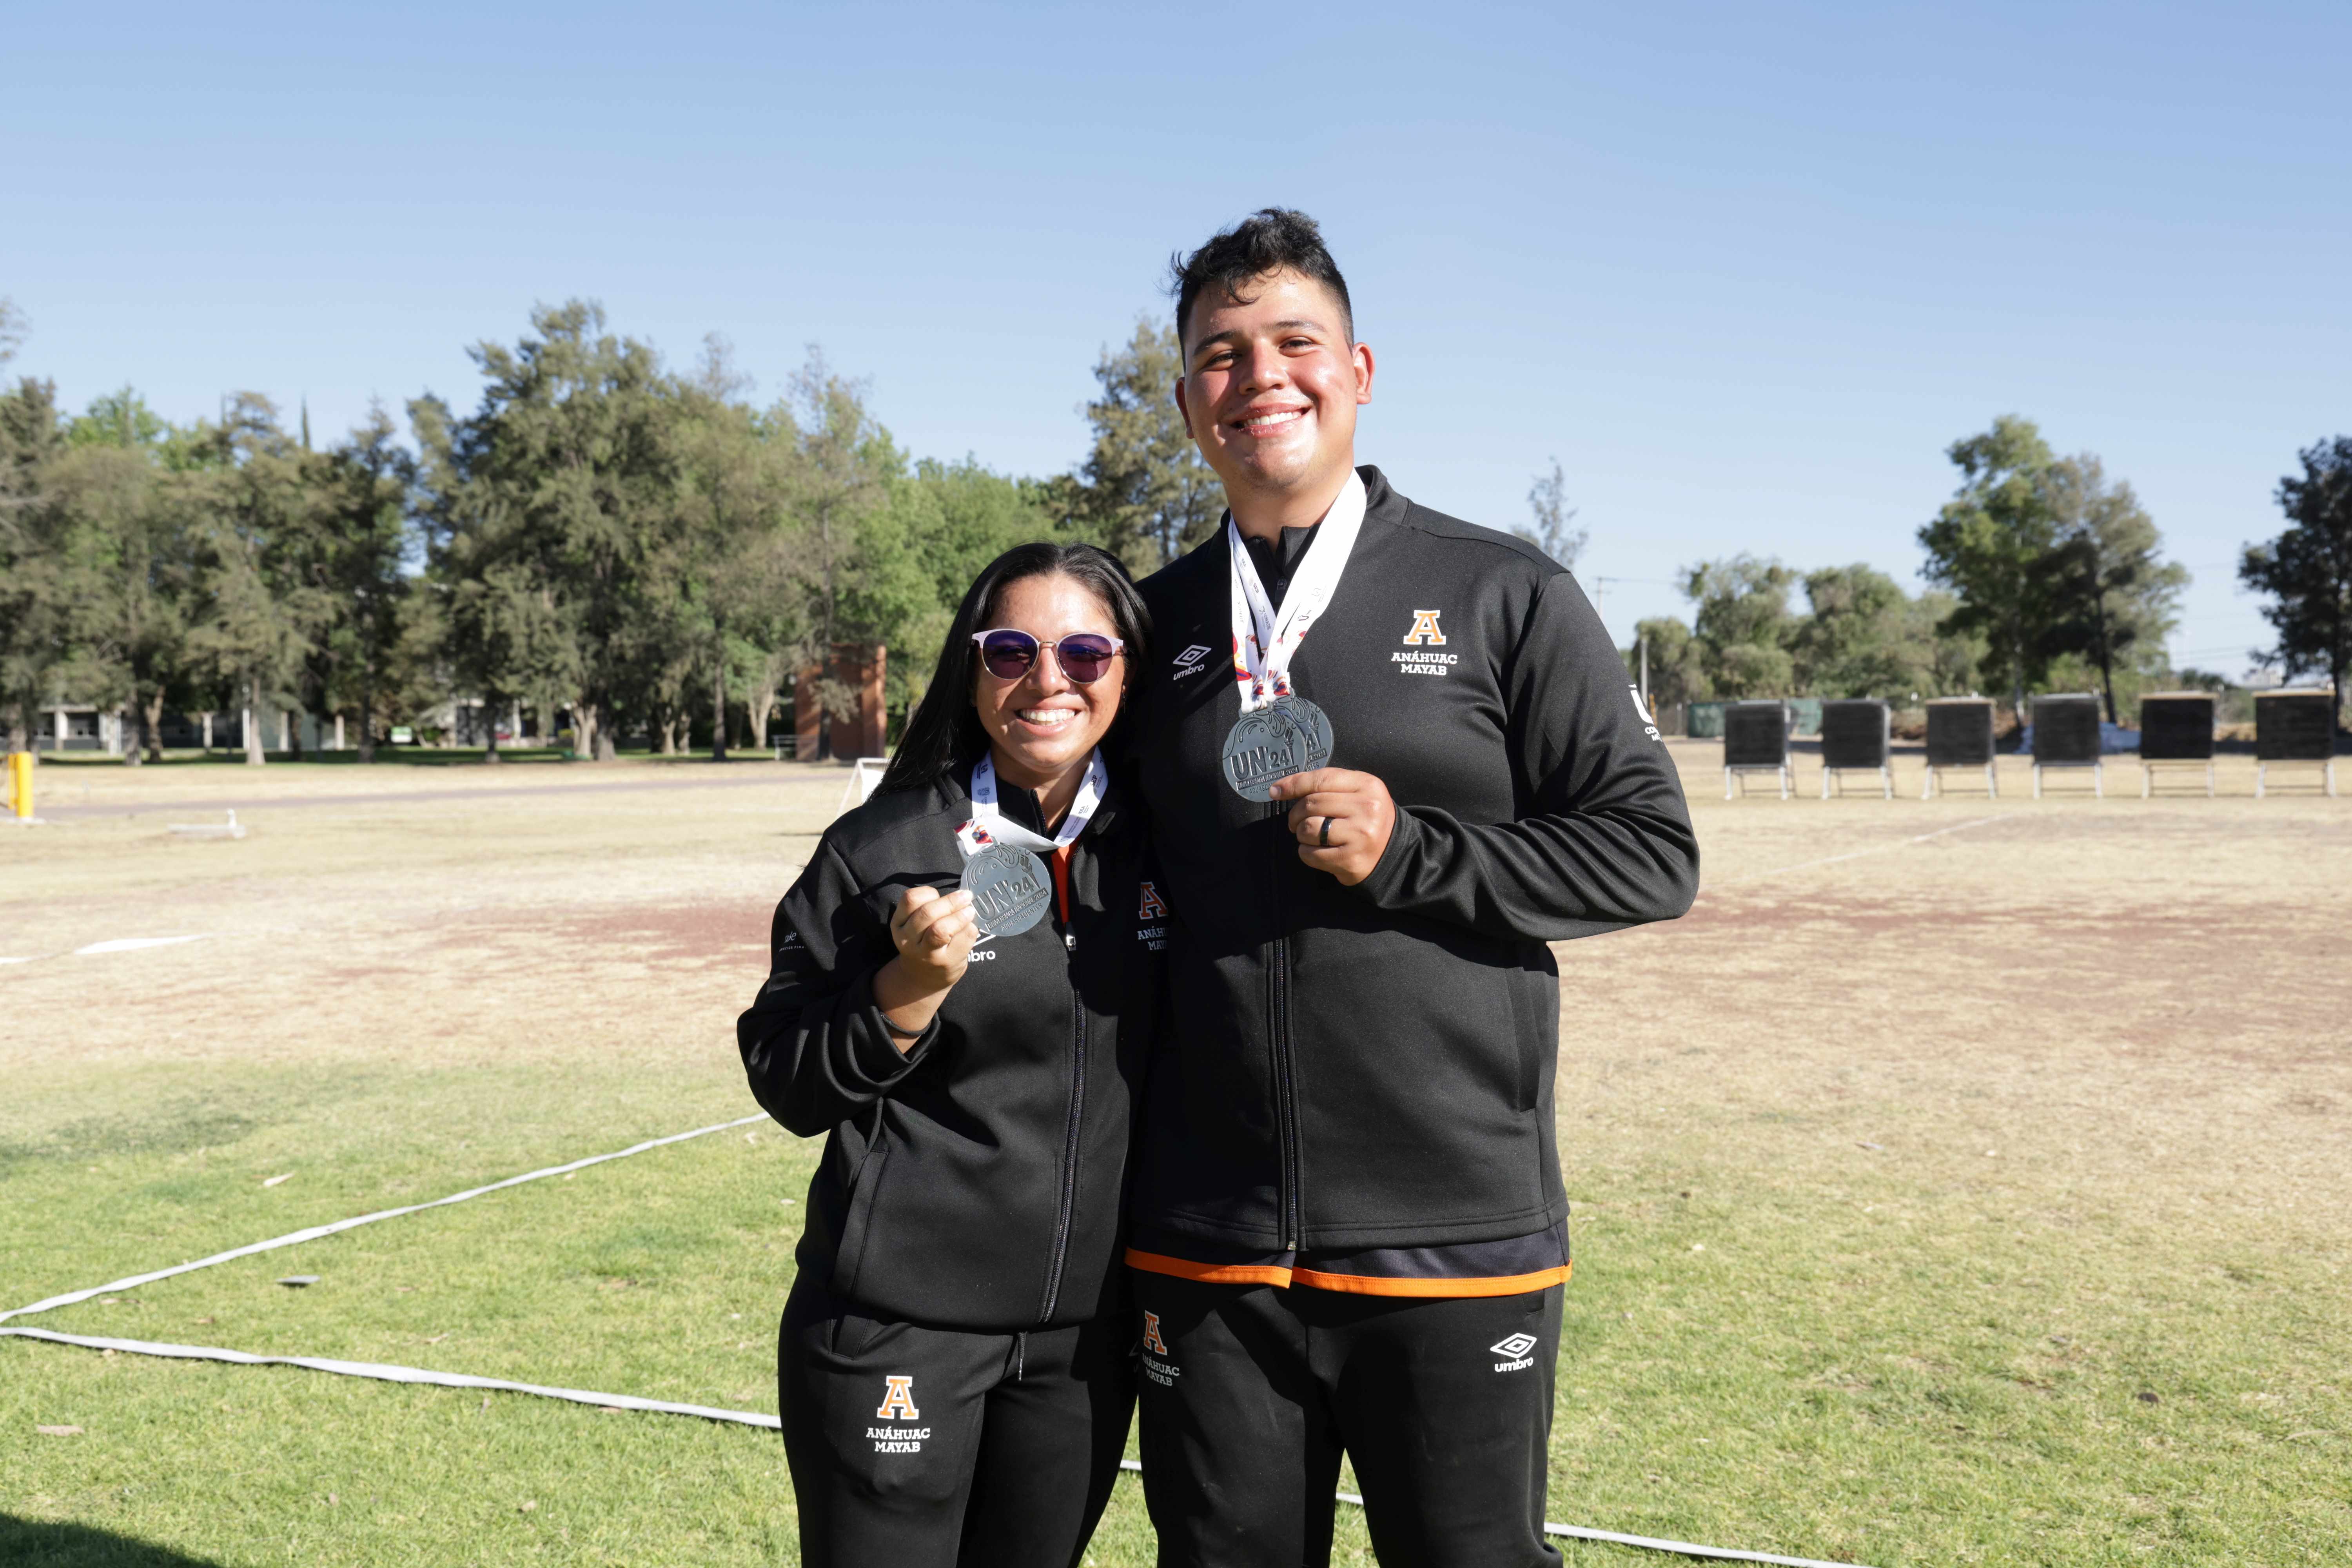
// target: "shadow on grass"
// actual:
[[79, 1546]]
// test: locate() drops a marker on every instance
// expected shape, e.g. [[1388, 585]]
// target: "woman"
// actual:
[[954, 1366]]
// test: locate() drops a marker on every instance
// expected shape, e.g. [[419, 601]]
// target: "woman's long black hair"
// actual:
[[944, 736]]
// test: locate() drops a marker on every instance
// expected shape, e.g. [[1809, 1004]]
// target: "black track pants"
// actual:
[[921, 1447], [1250, 1394]]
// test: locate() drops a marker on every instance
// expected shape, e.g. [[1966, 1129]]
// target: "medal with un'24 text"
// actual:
[[1010, 887], [1280, 732]]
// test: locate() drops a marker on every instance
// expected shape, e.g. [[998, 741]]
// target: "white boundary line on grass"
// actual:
[[384, 1372], [318, 1231], [1857, 855]]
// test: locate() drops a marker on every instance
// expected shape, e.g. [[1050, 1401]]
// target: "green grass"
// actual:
[[1886, 1372]]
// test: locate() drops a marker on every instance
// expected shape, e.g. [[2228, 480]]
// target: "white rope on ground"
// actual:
[[1858, 854], [384, 1373], [317, 1232], [1650, 1542]]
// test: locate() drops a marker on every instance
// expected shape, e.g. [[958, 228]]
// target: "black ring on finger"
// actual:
[[1324, 842]]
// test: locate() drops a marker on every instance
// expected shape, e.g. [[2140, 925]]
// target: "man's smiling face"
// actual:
[[1271, 386]]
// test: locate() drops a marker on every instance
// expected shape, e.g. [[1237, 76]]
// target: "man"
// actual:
[[1349, 1230]]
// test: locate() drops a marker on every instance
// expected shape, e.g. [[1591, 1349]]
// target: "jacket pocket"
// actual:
[[859, 1219]]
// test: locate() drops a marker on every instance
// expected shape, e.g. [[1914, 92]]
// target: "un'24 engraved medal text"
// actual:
[[1010, 889]]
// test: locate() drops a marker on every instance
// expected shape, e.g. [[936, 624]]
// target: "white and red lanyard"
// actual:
[[989, 825], [1266, 640]]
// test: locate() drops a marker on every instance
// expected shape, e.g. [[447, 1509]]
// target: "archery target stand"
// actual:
[[1856, 738], [2296, 725], [1960, 736], [2176, 733], [1755, 741], [2066, 735]]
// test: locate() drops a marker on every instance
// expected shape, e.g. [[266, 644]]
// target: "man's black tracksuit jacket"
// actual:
[[1354, 1085]]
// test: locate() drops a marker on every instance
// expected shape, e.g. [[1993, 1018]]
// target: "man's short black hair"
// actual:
[[1270, 239]]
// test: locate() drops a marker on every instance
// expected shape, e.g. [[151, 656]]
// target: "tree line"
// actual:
[[652, 552], [2046, 575], [640, 548]]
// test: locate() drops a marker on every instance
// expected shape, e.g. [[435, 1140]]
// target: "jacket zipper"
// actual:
[[1285, 1098], [1070, 1138]]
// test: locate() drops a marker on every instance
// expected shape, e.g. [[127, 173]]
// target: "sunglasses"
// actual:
[[1083, 656]]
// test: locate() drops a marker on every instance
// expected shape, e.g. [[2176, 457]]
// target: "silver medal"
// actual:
[[1314, 728], [1261, 748], [1010, 890]]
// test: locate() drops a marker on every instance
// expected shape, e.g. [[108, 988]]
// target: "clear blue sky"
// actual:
[[1746, 270]]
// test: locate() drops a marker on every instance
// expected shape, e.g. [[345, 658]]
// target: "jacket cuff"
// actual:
[[872, 1045], [1403, 848]]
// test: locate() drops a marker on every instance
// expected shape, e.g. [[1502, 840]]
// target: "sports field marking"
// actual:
[[1858, 854], [318, 1231], [134, 943], [27, 958]]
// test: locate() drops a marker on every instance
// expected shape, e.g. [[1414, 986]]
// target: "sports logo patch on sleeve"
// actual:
[[1649, 721]]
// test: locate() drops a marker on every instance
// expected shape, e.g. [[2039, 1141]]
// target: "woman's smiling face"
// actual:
[[1042, 724]]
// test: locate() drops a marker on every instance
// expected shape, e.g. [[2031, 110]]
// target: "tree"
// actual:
[[1552, 514], [860, 577], [35, 593], [565, 479], [1145, 493], [1864, 637], [1677, 663], [734, 573], [258, 610], [364, 486], [137, 559], [1743, 626], [2108, 593], [13, 329], [1990, 543], [2307, 570]]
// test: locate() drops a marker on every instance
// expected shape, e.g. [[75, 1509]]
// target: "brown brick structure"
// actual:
[[861, 666]]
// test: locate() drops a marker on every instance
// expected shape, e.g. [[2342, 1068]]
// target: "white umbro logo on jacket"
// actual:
[[1189, 661]]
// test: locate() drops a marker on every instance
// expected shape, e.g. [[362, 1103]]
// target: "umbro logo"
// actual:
[[1189, 662], [1514, 1352]]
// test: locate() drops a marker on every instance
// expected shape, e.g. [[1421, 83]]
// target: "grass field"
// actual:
[[1961, 1181]]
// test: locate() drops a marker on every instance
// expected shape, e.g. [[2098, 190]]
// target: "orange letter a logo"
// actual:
[[1152, 1340], [897, 1399], [1154, 907], [1424, 629]]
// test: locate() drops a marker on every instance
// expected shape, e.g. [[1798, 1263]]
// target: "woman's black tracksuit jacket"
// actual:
[[954, 1372]]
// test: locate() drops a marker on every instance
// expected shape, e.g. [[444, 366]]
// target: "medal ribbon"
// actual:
[[1266, 641], [989, 825]]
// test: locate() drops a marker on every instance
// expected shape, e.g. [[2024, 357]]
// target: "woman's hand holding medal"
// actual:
[[933, 932], [1341, 819]]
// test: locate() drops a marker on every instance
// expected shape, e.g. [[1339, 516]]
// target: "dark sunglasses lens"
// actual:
[[1086, 657], [1008, 655]]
